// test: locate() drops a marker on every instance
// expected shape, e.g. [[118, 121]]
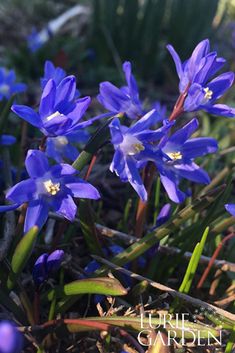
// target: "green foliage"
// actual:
[[21, 255], [139, 30]]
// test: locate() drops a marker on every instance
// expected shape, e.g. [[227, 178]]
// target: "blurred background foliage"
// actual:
[[117, 30]]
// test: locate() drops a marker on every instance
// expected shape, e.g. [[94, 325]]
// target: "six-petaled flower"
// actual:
[[59, 111], [133, 146], [196, 73], [8, 86], [177, 159], [124, 100], [48, 188]]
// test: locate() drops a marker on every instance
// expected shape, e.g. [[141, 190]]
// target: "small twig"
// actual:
[[131, 339], [148, 176], [92, 163], [214, 256], [194, 301], [42, 145]]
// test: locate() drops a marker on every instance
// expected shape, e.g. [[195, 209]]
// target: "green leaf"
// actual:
[[21, 255], [193, 264], [134, 323], [101, 285]]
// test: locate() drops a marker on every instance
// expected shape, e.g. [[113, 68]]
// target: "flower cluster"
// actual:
[[147, 138], [195, 75]]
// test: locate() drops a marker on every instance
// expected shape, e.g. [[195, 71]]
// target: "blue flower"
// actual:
[[122, 100], [230, 207], [46, 265], [35, 40], [7, 140], [52, 72], [160, 111], [48, 188], [8, 86], [133, 146], [59, 112], [195, 74], [60, 148], [203, 97], [177, 161], [11, 340]]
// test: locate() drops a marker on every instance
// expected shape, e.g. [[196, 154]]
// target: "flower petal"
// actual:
[[176, 59], [82, 189], [198, 147], [115, 130], [27, 114], [169, 183], [36, 163], [192, 172], [230, 207], [221, 110], [65, 91], [48, 99], [37, 214], [134, 179], [22, 192], [66, 207]]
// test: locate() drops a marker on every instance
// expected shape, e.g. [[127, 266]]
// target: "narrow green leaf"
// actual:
[[101, 285], [193, 264], [21, 255]]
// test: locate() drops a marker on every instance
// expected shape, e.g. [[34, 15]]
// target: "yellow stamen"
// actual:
[[175, 155], [51, 188], [208, 93], [138, 147]]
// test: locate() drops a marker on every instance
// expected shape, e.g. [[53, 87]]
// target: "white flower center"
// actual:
[[131, 145], [175, 155], [51, 188], [208, 93], [61, 141], [4, 88], [54, 115]]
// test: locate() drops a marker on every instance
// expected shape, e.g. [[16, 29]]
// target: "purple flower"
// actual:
[[163, 215], [59, 112], [195, 75], [60, 148], [48, 188], [230, 207], [52, 72], [133, 146], [7, 140], [177, 161], [8, 86], [122, 100], [46, 265], [11, 340], [39, 269], [203, 97], [35, 40], [160, 111]]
